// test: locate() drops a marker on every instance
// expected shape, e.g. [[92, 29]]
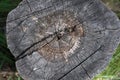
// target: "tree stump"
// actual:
[[62, 39]]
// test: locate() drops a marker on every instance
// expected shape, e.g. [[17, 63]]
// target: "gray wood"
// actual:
[[62, 39]]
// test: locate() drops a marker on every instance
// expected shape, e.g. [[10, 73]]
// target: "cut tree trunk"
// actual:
[[62, 39]]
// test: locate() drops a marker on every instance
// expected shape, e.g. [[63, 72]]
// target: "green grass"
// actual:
[[14, 78], [118, 14], [113, 69], [5, 56], [7, 5], [6, 59]]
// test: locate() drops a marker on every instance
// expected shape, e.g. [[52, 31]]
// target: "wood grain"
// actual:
[[62, 39]]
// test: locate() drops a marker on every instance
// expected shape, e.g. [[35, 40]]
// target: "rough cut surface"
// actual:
[[62, 39]]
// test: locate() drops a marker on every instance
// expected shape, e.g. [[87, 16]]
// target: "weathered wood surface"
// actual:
[[62, 39]]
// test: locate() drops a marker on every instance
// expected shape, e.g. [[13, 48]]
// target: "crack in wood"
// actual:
[[81, 62], [29, 5], [86, 71], [19, 56], [19, 42], [38, 11], [15, 28], [29, 14], [17, 25], [68, 30]]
